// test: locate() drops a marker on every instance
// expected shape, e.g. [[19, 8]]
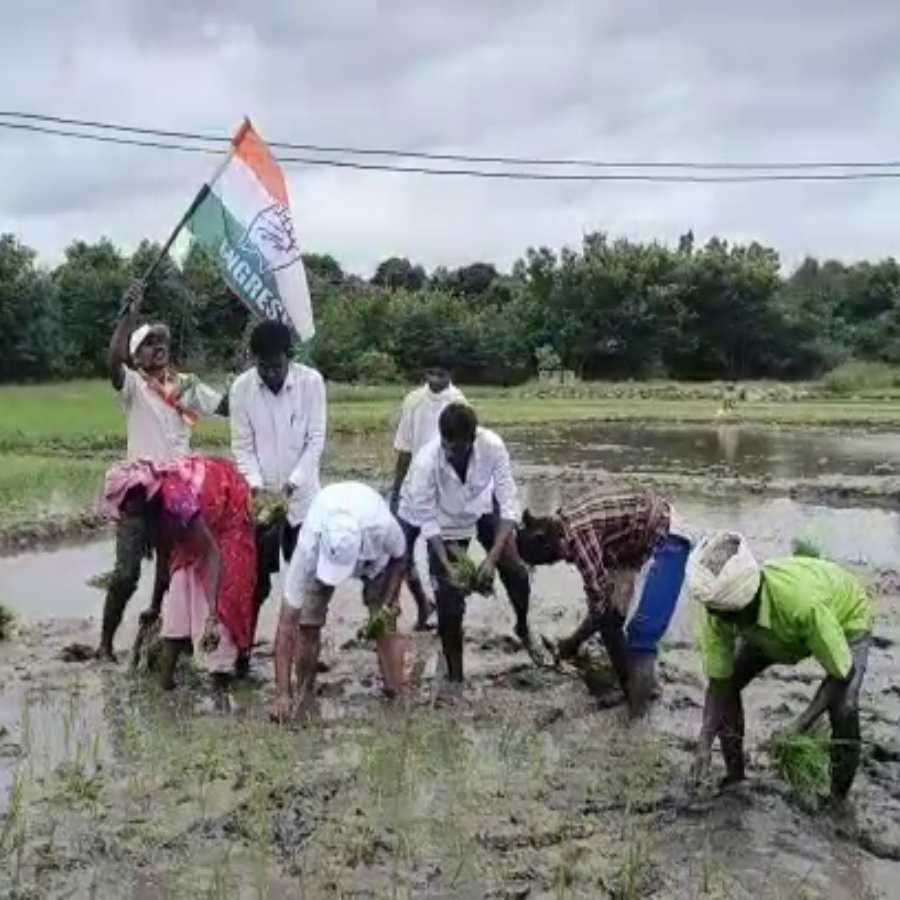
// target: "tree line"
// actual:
[[608, 309]]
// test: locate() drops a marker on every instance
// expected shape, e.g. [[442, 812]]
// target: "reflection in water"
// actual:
[[744, 450], [728, 436]]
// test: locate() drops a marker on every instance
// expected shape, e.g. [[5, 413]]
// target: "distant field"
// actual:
[[56, 439], [84, 416]]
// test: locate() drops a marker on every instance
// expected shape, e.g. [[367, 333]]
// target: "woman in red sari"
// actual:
[[203, 509]]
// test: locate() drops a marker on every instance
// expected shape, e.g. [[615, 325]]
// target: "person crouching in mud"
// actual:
[[608, 537], [782, 611], [202, 508], [460, 485], [349, 532]]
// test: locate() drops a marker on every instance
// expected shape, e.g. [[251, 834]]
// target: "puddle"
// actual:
[[744, 450]]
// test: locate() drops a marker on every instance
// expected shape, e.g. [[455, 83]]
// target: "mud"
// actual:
[[529, 785], [524, 788]]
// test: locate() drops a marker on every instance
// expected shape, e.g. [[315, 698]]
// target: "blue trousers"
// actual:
[[659, 596]]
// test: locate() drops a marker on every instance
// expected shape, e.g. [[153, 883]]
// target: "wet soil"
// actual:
[[530, 785], [525, 787]]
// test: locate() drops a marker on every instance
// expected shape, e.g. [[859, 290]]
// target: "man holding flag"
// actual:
[[161, 406], [242, 216]]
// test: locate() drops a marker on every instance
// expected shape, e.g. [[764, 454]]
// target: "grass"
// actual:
[[803, 761], [35, 486], [862, 378]]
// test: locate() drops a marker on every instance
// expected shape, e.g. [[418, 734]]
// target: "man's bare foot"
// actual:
[[535, 649], [105, 654]]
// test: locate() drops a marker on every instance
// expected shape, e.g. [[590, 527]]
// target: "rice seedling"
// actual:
[[101, 581], [269, 509], [802, 546], [466, 577], [803, 761]]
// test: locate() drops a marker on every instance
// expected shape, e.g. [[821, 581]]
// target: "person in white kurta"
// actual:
[[417, 426], [460, 485], [278, 413]]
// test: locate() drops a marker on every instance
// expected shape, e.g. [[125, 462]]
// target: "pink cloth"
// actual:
[[184, 615], [190, 472]]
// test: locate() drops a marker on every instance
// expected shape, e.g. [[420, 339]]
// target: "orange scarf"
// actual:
[[167, 391]]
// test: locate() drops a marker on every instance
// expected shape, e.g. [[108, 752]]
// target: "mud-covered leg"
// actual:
[[131, 533], [451, 606], [845, 732]]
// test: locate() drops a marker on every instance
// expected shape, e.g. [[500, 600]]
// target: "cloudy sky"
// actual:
[[705, 81]]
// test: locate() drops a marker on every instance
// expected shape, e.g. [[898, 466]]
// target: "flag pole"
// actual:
[[202, 194]]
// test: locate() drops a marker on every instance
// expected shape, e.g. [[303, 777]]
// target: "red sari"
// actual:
[[214, 488]]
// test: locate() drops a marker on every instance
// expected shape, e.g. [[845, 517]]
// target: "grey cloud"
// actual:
[[644, 80]]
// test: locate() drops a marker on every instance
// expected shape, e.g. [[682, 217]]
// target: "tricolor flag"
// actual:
[[243, 216]]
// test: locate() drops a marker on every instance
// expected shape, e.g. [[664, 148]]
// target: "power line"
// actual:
[[506, 175], [458, 157]]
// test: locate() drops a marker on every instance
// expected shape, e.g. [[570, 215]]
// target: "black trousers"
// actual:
[[450, 601]]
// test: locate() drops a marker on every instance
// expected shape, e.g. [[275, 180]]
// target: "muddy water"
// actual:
[[524, 789], [740, 449]]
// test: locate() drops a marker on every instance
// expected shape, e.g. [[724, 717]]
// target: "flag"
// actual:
[[243, 216]]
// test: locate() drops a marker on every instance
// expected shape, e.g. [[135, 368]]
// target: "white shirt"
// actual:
[[156, 430], [419, 416], [435, 500], [382, 536], [278, 439]]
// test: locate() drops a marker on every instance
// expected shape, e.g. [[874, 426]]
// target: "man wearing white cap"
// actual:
[[349, 532], [161, 407], [782, 611]]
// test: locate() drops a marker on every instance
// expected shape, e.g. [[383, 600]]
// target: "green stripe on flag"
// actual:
[[213, 226]]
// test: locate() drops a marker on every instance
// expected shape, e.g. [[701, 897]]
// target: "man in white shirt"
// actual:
[[161, 407], [277, 437], [349, 532], [460, 485], [418, 425]]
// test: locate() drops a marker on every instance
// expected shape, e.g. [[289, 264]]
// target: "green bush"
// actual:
[[376, 367], [854, 377]]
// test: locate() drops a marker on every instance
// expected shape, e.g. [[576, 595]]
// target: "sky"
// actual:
[[700, 81]]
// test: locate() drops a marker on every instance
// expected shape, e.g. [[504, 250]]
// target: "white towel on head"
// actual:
[[138, 336], [722, 573]]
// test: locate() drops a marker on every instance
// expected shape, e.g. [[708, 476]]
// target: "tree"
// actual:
[[30, 334], [398, 273], [90, 284]]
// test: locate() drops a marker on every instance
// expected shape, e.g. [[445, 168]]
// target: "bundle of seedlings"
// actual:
[[466, 577], [382, 622], [804, 761], [102, 581], [269, 508]]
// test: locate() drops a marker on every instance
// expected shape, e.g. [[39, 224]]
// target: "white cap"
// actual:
[[338, 548], [722, 573], [138, 336]]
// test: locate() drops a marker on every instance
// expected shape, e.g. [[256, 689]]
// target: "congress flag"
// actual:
[[243, 216]]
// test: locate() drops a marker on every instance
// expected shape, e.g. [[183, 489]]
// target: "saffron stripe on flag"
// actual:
[[241, 192], [256, 155]]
